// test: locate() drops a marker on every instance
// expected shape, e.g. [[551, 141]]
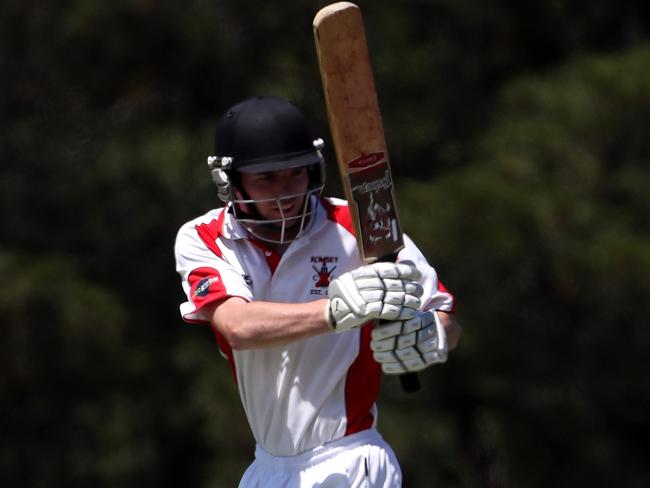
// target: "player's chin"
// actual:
[[289, 209], [288, 214], [287, 222], [277, 231]]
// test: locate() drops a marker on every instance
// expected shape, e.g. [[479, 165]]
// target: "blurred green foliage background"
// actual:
[[519, 136]]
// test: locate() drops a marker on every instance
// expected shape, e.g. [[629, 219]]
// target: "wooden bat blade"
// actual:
[[358, 135], [357, 130]]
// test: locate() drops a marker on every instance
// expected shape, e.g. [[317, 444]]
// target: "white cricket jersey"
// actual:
[[312, 391]]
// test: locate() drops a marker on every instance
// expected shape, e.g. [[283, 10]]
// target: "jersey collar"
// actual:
[[231, 228]]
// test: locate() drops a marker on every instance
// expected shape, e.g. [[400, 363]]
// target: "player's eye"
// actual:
[[264, 177]]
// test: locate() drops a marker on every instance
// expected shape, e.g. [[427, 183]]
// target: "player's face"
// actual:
[[284, 192]]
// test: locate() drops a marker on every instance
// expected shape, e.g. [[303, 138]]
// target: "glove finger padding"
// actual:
[[378, 291], [384, 330], [409, 345], [396, 312], [421, 320], [404, 270]]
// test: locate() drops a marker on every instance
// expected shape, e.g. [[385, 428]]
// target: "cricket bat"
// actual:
[[358, 135]]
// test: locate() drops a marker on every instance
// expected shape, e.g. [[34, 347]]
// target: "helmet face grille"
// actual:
[[284, 229], [265, 134]]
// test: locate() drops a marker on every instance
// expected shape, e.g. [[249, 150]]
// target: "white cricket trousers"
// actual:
[[361, 460]]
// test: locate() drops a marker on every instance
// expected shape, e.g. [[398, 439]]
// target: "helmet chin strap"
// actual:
[[250, 212]]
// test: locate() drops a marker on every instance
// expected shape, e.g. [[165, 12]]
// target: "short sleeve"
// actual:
[[206, 276]]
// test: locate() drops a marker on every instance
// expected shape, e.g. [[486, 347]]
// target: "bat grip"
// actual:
[[409, 381]]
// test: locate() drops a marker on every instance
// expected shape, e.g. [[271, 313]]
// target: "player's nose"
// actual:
[[289, 185]]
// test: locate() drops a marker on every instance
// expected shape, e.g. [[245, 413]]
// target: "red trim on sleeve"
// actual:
[[206, 286], [339, 214], [362, 386]]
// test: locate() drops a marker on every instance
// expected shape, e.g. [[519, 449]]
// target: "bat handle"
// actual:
[[409, 381]]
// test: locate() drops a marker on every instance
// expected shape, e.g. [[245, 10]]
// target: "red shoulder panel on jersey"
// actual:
[[210, 232], [339, 214]]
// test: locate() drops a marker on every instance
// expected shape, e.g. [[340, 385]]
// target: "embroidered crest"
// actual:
[[324, 266], [203, 287]]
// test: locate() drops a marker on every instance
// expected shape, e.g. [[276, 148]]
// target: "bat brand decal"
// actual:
[[323, 267], [384, 183], [366, 160], [372, 191], [379, 221]]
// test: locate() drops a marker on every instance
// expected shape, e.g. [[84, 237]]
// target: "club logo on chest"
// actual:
[[323, 267]]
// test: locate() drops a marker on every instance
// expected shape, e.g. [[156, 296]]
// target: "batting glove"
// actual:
[[387, 291], [409, 345]]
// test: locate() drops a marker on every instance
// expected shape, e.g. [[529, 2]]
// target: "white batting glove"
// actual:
[[409, 345], [387, 291]]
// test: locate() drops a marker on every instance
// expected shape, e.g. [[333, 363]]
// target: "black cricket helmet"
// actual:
[[263, 134]]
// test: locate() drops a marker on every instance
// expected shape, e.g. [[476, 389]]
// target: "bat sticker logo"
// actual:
[[379, 221], [366, 160], [374, 195], [384, 183]]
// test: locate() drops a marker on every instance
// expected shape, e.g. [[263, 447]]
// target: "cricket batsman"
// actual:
[[276, 273]]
